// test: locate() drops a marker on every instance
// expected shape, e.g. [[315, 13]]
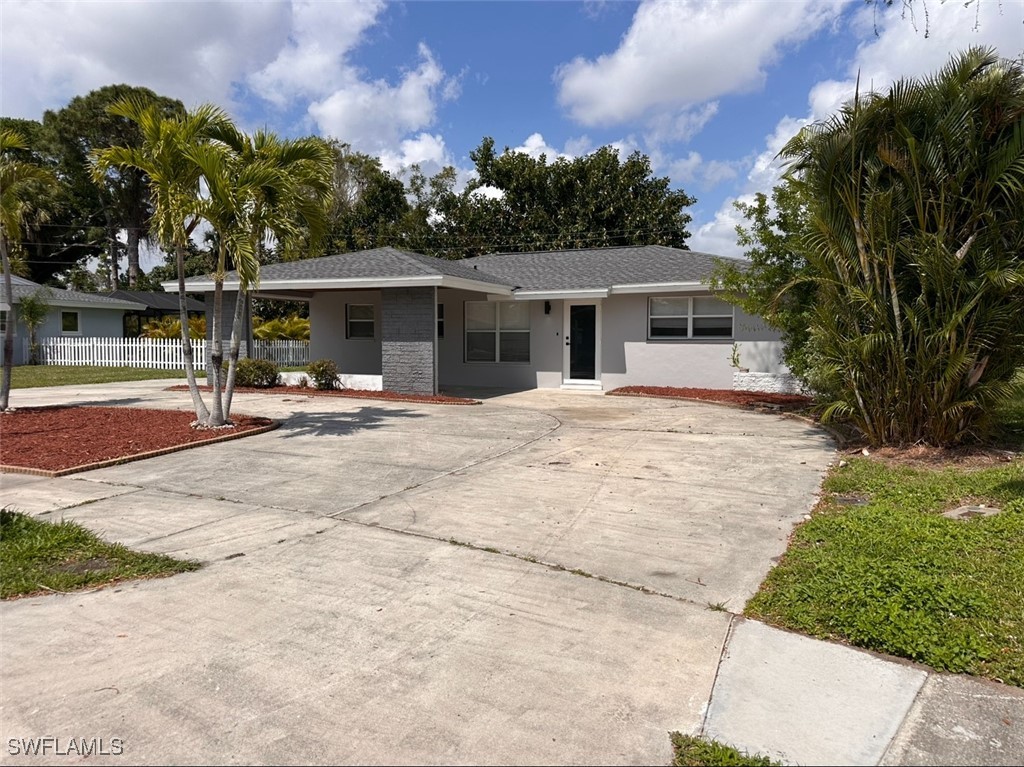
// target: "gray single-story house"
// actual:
[[581, 319], [72, 314]]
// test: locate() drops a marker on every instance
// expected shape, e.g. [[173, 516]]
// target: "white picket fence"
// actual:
[[155, 353], [286, 353]]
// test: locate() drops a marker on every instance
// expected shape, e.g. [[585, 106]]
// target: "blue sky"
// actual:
[[709, 90]]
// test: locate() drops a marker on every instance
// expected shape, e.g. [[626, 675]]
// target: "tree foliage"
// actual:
[[32, 311], [119, 200], [913, 242], [523, 203], [774, 283]]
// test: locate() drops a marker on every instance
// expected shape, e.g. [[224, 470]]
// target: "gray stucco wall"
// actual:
[[627, 356], [361, 356], [544, 369], [630, 359], [407, 323]]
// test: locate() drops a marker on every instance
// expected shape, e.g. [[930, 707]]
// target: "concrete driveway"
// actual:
[[525, 581]]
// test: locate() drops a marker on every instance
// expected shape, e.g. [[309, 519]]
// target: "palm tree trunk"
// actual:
[[202, 414], [217, 343], [236, 342], [133, 257], [8, 299]]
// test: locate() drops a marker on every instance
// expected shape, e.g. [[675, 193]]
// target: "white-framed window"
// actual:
[[359, 322], [497, 331], [678, 317], [440, 320], [3, 324], [70, 322]]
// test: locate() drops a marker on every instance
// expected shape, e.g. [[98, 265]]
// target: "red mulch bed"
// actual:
[[730, 396], [430, 399], [60, 438]]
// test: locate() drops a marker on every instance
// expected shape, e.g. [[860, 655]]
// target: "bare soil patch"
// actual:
[[783, 402], [61, 438], [430, 399], [968, 457]]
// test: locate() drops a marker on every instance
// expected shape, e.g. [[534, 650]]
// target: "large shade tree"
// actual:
[[518, 202], [914, 239], [120, 199]]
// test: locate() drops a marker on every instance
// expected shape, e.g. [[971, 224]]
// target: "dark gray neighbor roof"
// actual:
[[152, 299], [20, 287], [379, 263], [597, 268]]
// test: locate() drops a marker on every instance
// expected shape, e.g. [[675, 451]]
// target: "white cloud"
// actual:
[[680, 53], [426, 150], [718, 236], [679, 126], [375, 115], [535, 146], [898, 50], [52, 51], [312, 62]]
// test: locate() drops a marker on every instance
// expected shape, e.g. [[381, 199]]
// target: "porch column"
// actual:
[[228, 317], [409, 340]]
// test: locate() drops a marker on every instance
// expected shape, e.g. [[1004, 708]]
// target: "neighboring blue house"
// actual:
[[574, 319], [72, 314]]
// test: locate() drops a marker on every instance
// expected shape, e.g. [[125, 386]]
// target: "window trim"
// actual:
[[8, 315], [689, 321], [348, 323], [496, 332], [78, 322]]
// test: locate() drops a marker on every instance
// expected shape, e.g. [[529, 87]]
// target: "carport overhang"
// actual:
[[409, 359]]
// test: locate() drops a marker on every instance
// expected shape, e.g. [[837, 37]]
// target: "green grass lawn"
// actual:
[[43, 557], [895, 576], [30, 376], [688, 751]]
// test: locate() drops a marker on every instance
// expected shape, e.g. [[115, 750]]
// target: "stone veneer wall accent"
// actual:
[[771, 383], [408, 337]]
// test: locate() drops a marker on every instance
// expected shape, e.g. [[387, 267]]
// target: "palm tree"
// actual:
[[16, 177], [174, 188], [258, 188], [916, 233]]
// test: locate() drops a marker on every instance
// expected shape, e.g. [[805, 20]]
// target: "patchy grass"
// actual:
[[689, 751], [895, 576], [38, 557], [31, 376]]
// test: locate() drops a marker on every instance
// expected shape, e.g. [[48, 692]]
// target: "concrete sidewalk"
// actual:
[[389, 583]]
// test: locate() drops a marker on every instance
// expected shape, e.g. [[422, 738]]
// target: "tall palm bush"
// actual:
[[915, 237]]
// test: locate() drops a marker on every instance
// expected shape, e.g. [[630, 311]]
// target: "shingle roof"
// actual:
[[21, 287], [379, 263], [166, 302], [549, 271], [597, 268]]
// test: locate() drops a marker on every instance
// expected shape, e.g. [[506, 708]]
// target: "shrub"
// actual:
[[258, 374], [323, 374]]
